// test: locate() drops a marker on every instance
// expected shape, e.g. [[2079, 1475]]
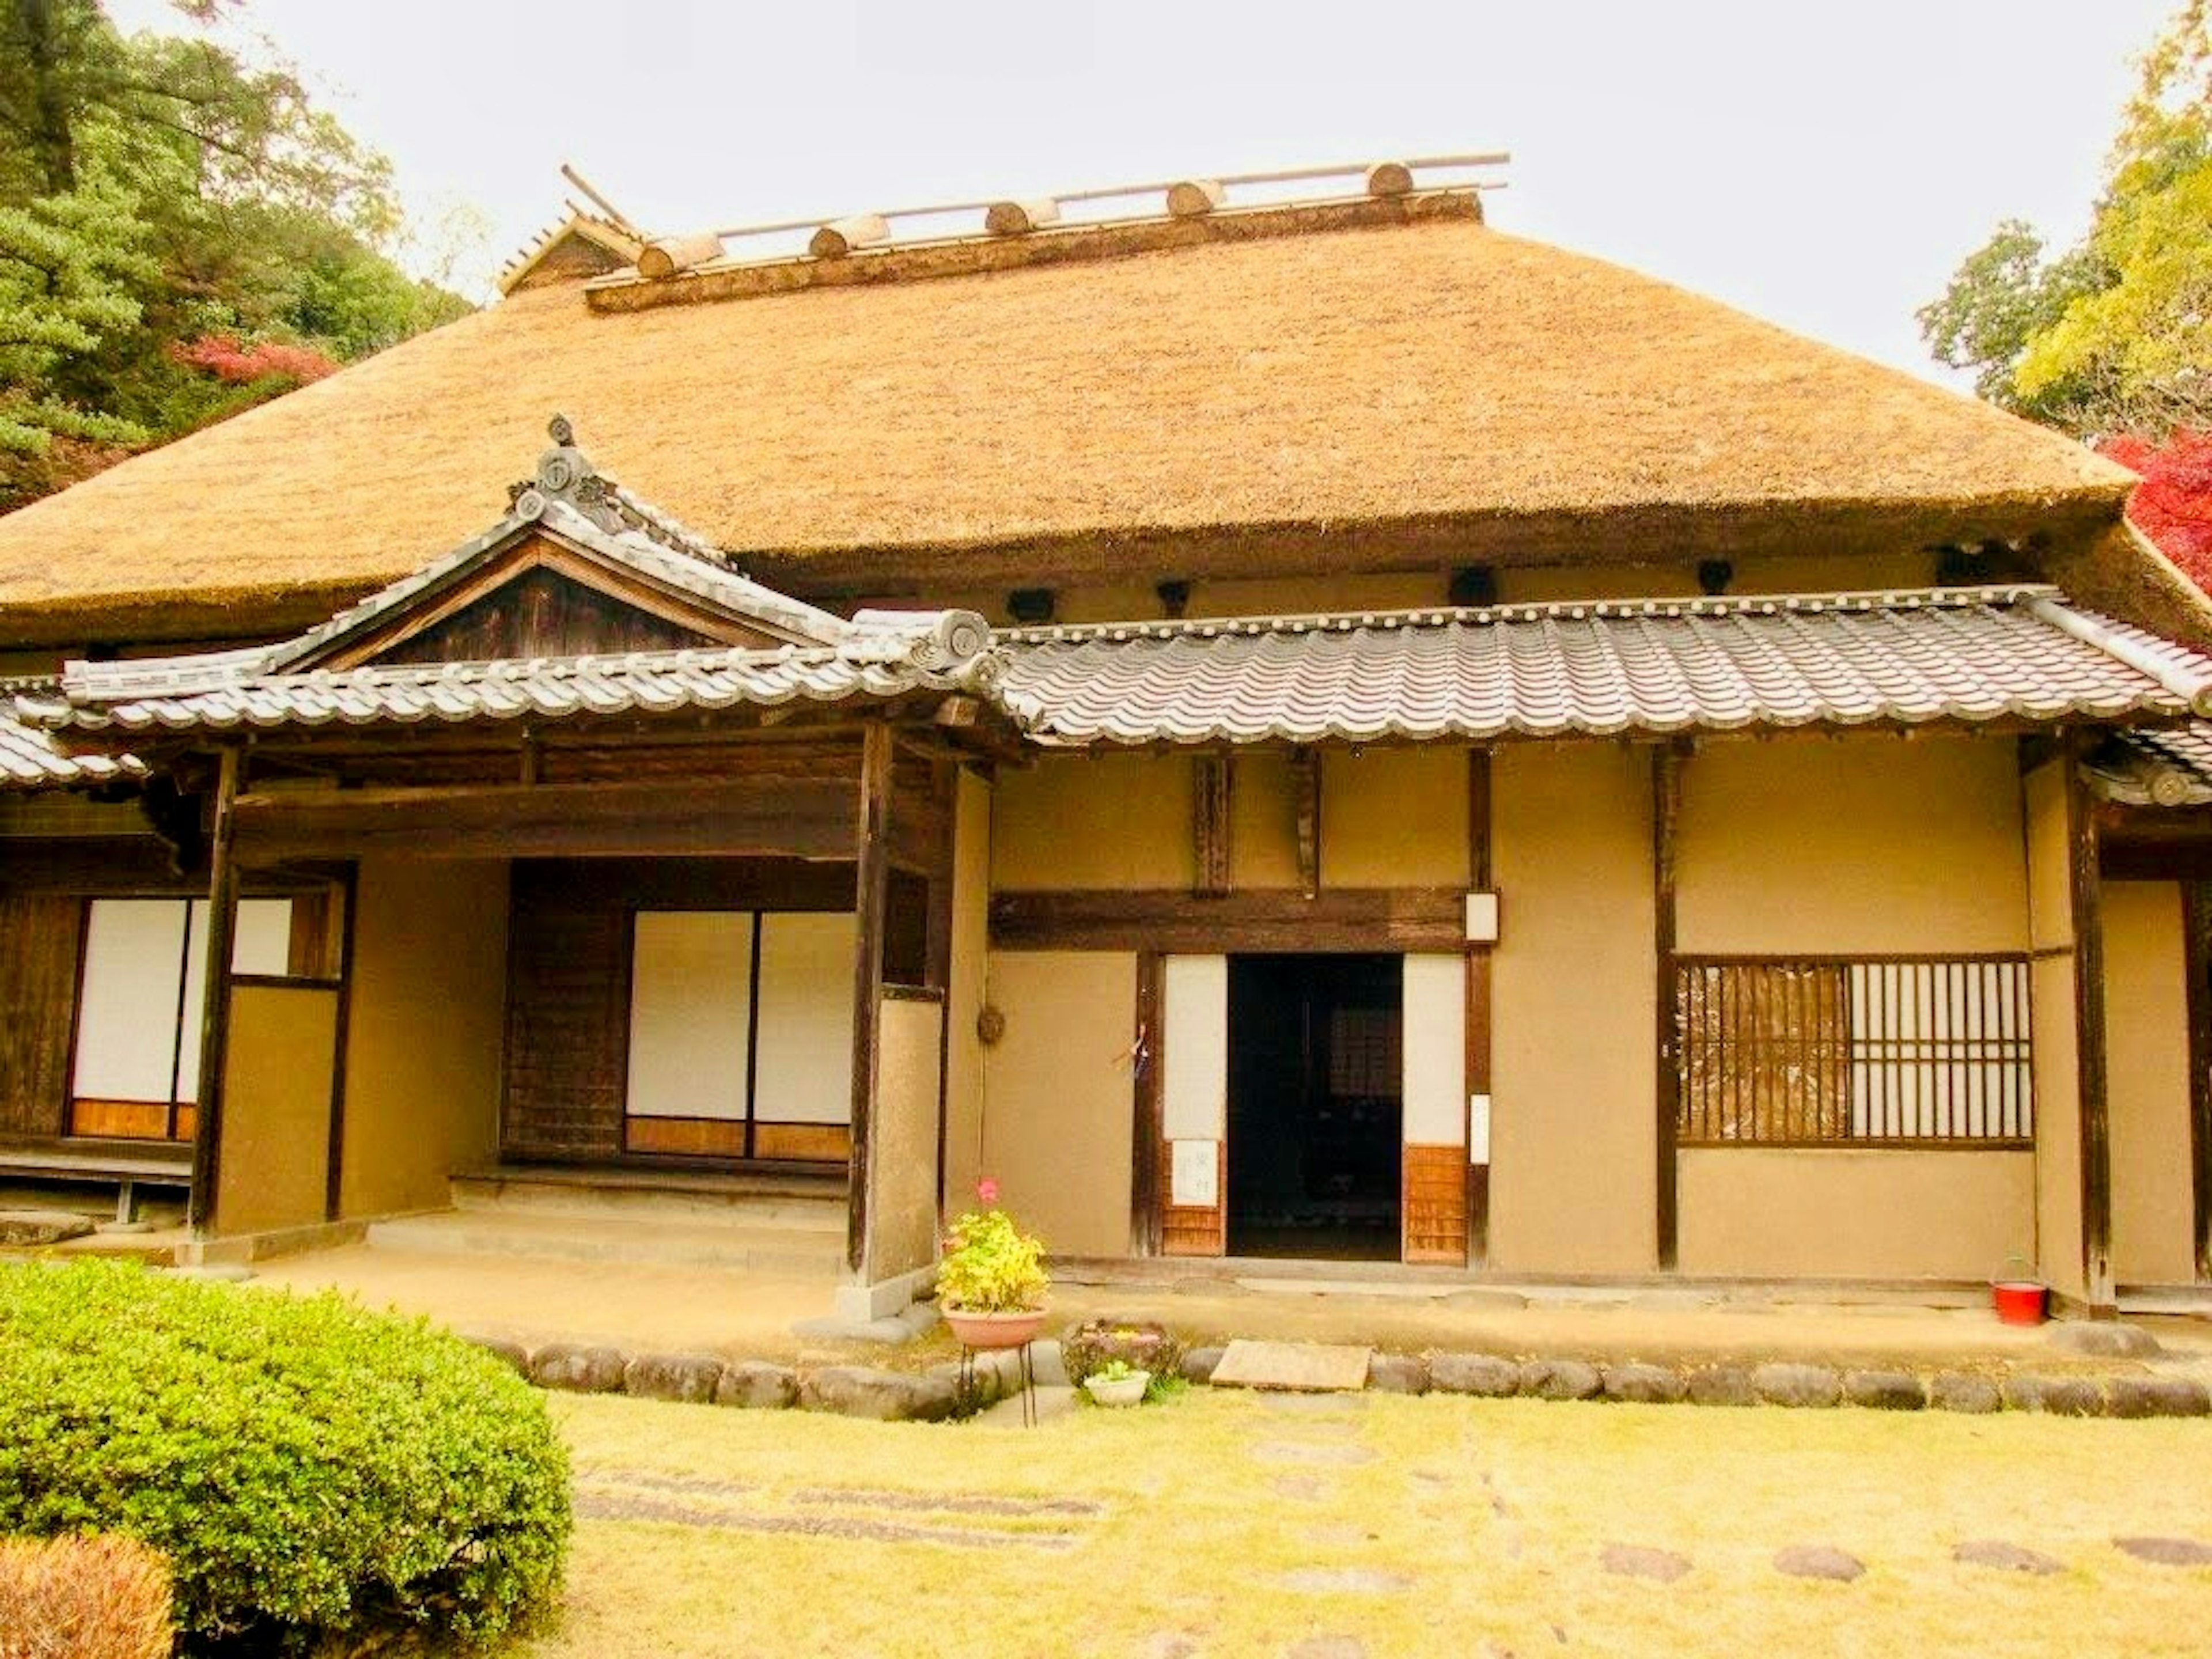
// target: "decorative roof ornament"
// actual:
[[566, 475]]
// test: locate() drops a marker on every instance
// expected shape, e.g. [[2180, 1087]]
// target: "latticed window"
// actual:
[[1883, 1050]]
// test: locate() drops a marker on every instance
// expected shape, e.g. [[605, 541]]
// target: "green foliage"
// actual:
[[2114, 334], [158, 189], [992, 1265], [314, 1474], [1117, 1370]]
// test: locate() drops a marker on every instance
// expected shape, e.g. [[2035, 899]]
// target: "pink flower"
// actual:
[[987, 1190]]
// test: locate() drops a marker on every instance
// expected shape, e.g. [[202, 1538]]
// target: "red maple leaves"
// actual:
[[235, 363]]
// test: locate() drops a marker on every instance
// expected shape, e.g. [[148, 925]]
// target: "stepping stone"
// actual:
[[1818, 1561], [1636, 1561], [1301, 1451], [1306, 1488], [2166, 1552], [36, 1227], [2157, 1396], [1341, 1407], [1344, 1581], [2104, 1338], [1645, 1385], [2006, 1558], [1964, 1391], [1327, 1647], [1170, 1644], [1397, 1373], [1314, 1367]]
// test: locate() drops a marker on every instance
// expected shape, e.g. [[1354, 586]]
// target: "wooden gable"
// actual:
[[543, 598]]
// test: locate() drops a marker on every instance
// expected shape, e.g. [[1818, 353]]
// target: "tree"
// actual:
[[2173, 504], [169, 211], [2113, 335]]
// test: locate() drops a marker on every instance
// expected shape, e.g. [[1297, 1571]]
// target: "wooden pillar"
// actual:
[[343, 898], [2197, 900], [1210, 830], [215, 999], [1147, 1118], [871, 891], [1479, 875], [945, 802], [2086, 885], [1666, 814], [1305, 783]]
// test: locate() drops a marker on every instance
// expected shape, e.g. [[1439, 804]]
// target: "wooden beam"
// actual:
[[1666, 814], [872, 845], [796, 817], [1147, 1118], [944, 785], [1256, 920], [1209, 823], [2087, 895], [1305, 782], [841, 236], [344, 899], [215, 999], [1478, 873], [2196, 911], [673, 254]]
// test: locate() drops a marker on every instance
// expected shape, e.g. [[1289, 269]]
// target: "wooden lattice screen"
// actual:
[[1888, 1050]]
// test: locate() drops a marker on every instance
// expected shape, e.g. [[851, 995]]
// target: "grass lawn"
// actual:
[[723, 1533]]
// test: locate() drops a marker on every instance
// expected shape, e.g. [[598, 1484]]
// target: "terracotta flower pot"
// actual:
[[2019, 1301], [995, 1330]]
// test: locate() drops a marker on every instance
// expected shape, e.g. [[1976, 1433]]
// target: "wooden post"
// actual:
[[945, 801], [2087, 894], [1665, 814], [1210, 827], [1479, 875], [344, 897], [872, 890], [1147, 1131], [214, 1000], [2197, 902], [1305, 782]]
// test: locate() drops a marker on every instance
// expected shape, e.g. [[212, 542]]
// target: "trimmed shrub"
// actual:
[[83, 1598], [311, 1471]]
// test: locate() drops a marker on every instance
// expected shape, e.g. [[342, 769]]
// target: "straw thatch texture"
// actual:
[[1328, 400]]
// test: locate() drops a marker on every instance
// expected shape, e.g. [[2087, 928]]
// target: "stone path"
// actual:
[[2006, 1558]]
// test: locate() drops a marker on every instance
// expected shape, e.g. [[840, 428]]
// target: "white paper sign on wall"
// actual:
[[1195, 1174], [1477, 1129]]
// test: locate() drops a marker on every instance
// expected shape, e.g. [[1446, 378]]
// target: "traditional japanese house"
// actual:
[[1316, 729]]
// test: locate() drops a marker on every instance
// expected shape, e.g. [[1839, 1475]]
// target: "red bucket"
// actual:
[[2019, 1303]]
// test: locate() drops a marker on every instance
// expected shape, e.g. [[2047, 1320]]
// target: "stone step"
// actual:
[[813, 1203], [659, 1241]]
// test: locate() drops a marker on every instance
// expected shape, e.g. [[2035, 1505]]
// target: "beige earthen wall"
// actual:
[[1813, 846], [423, 1029], [1817, 846], [1573, 1140], [1059, 1101], [2147, 1083], [1117, 821], [2058, 1083], [1835, 1213], [966, 995], [277, 1073], [1394, 817]]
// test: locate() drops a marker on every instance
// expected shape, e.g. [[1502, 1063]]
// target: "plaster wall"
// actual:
[[277, 1073], [1832, 1213], [1114, 821], [1574, 1145], [423, 1030], [2058, 1081], [1059, 1100], [2147, 1083]]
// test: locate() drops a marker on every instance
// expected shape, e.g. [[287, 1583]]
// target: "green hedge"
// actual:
[[311, 1471]]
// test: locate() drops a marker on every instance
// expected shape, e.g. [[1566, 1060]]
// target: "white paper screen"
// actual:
[[690, 989], [803, 1071]]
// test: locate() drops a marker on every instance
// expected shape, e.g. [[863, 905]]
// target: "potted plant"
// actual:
[[2019, 1297], [1117, 1383], [991, 1284]]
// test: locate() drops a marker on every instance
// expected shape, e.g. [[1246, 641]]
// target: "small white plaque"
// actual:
[[1477, 1129], [1194, 1174], [1482, 918]]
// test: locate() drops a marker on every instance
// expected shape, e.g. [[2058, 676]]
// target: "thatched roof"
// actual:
[[1429, 393]]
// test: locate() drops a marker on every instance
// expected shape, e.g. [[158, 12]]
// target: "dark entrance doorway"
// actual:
[[1316, 1046]]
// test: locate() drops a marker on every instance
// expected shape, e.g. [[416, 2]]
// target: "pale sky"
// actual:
[[1825, 165]]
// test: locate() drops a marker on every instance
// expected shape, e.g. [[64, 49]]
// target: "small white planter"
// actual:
[[1119, 1390]]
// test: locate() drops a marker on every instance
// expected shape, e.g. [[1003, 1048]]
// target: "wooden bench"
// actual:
[[124, 1171]]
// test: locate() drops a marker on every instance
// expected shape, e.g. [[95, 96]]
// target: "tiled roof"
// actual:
[[648, 681], [29, 760], [1599, 670], [2168, 766]]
